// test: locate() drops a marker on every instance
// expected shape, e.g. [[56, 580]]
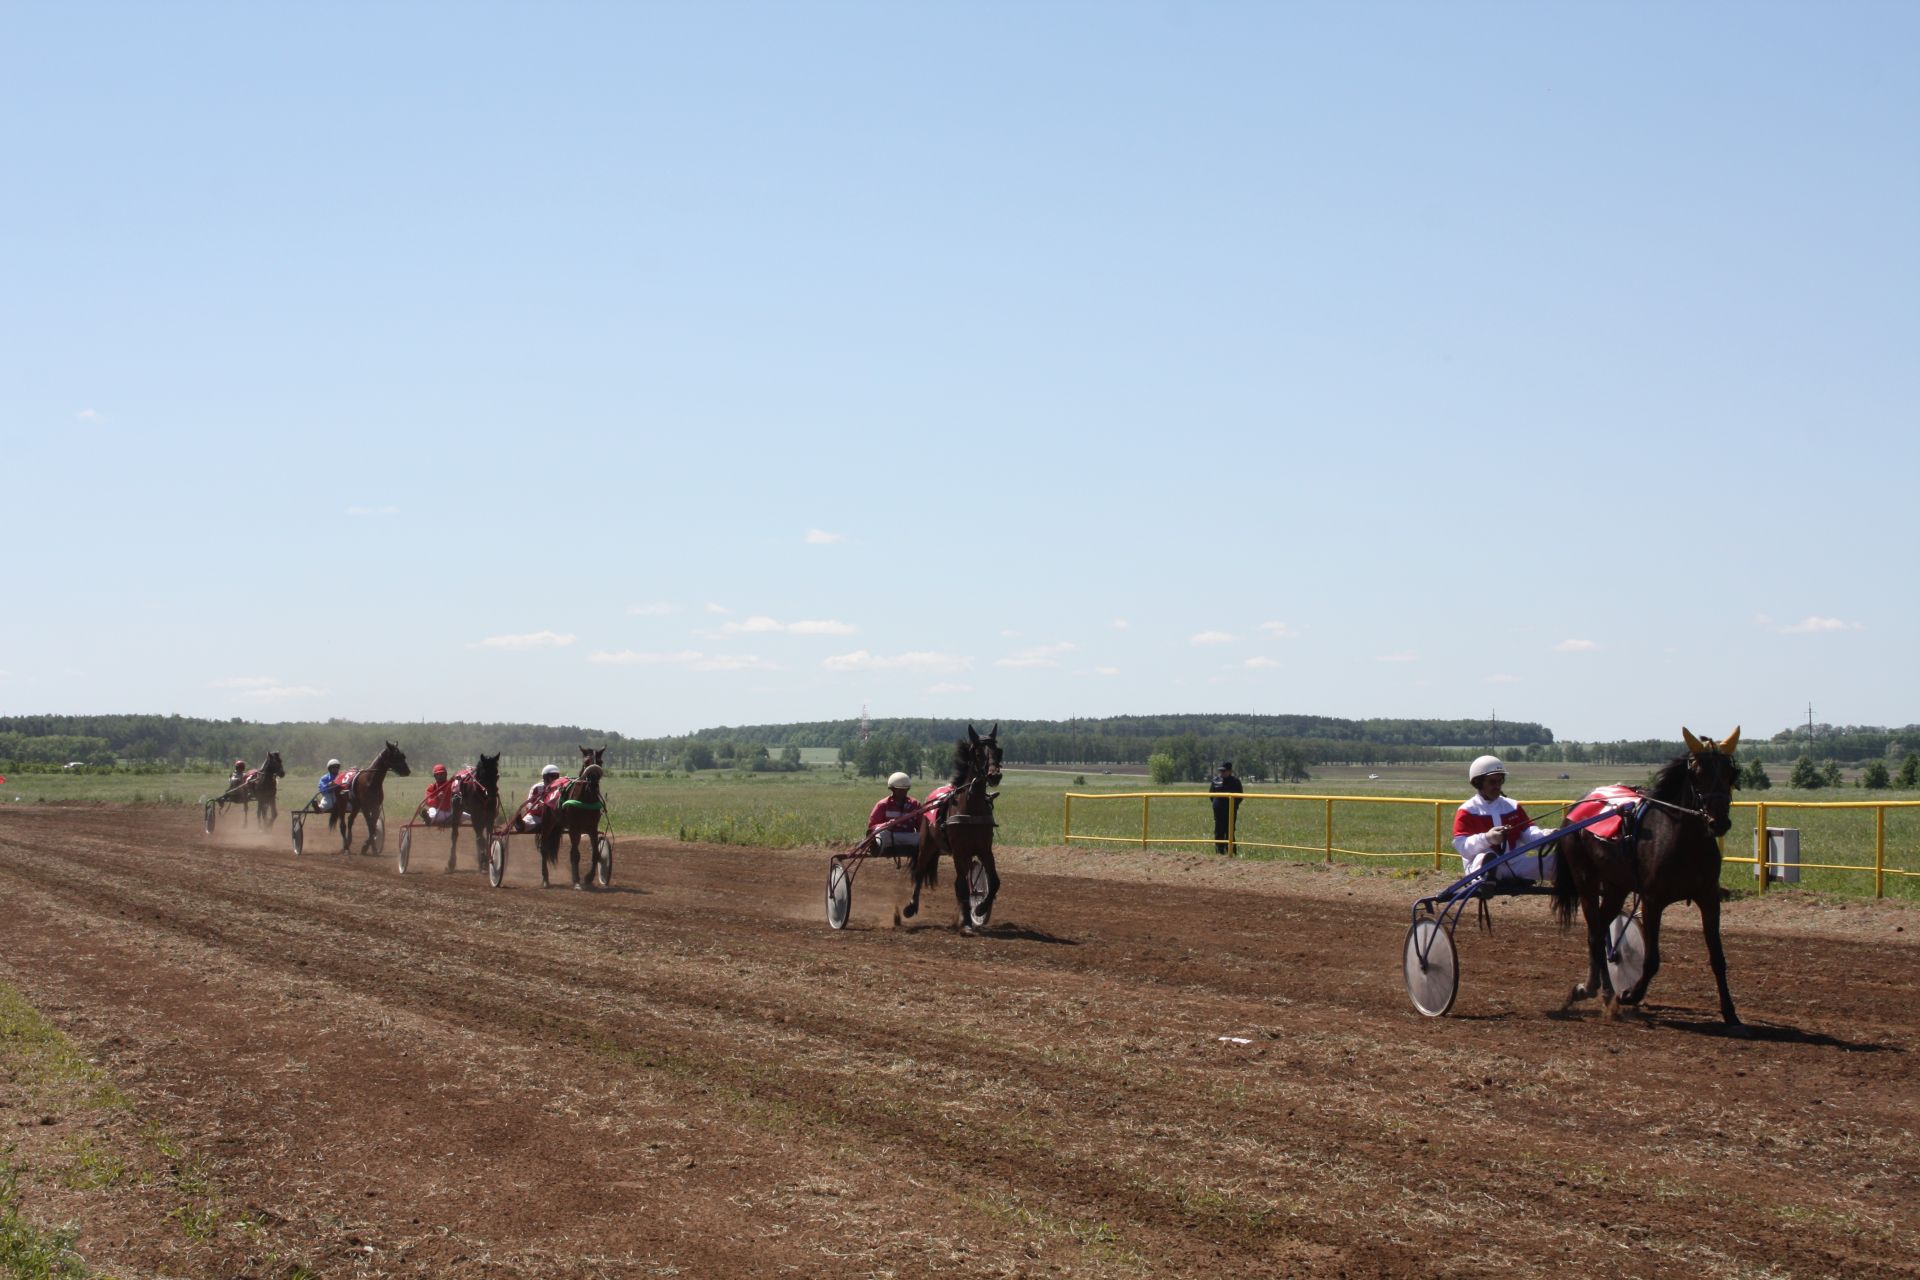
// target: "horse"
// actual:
[[260, 789], [577, 814], [476, 797], [959, 823], [364, 792], [1673, 855]]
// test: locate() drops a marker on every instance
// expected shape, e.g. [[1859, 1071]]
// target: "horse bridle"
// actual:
[[1705, 799], [976, 782]]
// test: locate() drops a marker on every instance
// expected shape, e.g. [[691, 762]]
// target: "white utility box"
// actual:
[[1783, 855]]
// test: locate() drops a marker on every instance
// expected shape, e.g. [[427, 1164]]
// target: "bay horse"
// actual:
[[260, 788], [577, 814], [1672, 856], [959, 823], [476, 797], [363, 791]]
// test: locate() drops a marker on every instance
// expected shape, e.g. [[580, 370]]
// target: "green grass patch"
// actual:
[[29, 1252]]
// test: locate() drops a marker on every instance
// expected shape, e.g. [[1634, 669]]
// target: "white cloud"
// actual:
[[949, 688], [1007, 633], [1106, 671], [531, 640], [760, 624], [1397, 657], [1210, 637], [711, 607], [922, 660], [1121, 624], [1039, 655], [658, 609], [821, 538], [1280, 630], [373, 511], [91, 415], [1813, 625], [1507, 679], [1261, 663], [691, 659], [1575, 646], [265, 688]]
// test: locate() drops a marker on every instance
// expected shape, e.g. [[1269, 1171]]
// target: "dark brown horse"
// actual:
[[260, 788], [959, 823], [476, 797], [1673, 855], [578, 814], [363, 793]]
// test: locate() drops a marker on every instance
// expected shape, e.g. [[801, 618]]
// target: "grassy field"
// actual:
[[826, 808]]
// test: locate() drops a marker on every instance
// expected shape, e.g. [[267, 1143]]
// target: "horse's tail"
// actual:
[[926, 861], [1566, 893]]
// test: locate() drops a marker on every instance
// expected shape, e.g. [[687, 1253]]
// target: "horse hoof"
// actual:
[[910, 910], [966, 931]]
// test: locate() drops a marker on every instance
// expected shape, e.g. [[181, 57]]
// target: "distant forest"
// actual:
[[1261, 746]]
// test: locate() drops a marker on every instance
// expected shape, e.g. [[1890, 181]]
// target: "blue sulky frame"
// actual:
[[1429, 960]]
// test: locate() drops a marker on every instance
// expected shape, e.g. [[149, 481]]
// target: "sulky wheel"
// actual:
[[496, 860], [1626, 953], [839, 896], [406, 847], [977, 886], [299, 829], [208, 817], [379, 836], [602, 861], [1433, 983]]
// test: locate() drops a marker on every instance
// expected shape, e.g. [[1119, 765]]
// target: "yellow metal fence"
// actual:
[[1386, 826]]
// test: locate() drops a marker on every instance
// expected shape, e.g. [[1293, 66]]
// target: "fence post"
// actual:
[[1879, 850], [1146, 800], [1760, 844], [1066, 822], [1329, 828]]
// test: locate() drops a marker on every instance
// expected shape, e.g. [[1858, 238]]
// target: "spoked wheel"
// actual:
[[839, 896], [1431, 985], [602, 861], [496, 860], [379, 836], [209, 817], [406, 847], [977, 889], [299, 827], [1626, 953]]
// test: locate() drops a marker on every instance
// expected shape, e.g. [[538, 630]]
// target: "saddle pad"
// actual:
[[1600, 798]]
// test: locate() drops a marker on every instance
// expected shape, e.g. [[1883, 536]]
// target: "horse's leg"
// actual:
[[453, 832], [1650, 931], [1597, 983], [963, 889], [573, 856], [1709, 905], [919, 865], [993, 878]]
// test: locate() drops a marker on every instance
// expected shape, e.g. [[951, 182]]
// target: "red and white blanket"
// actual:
[[1601, 798]]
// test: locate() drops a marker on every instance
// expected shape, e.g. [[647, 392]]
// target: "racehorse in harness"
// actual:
[[476, 797], [578, 814], [959, 822], [1668, 852], [363, 792], [260, 788]]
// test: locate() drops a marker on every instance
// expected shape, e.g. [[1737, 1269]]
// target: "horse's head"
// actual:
[[395, 760], [274, 768], [983, 755], [592, 765], [1711, 770], [487, 773]]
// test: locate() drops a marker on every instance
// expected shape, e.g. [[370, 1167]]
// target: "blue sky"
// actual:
[[655, 366]]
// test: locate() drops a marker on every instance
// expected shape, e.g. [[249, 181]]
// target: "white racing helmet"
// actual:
[[899, 782], [551, 771], [1482, 767], [333, 764]]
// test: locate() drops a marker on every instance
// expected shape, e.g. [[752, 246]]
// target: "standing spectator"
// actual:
[[1225, 781]]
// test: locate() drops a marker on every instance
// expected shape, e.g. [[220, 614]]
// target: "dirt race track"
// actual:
[[335, 1067]]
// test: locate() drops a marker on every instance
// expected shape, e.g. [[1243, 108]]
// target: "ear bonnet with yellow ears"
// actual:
[[1707, 746]]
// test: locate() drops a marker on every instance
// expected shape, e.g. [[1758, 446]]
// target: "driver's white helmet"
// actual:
[[1482, 767], [551, 771], [333, 764], [899, 782]]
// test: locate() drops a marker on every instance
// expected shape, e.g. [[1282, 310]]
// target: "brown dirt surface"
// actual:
[[1150, 1064]]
